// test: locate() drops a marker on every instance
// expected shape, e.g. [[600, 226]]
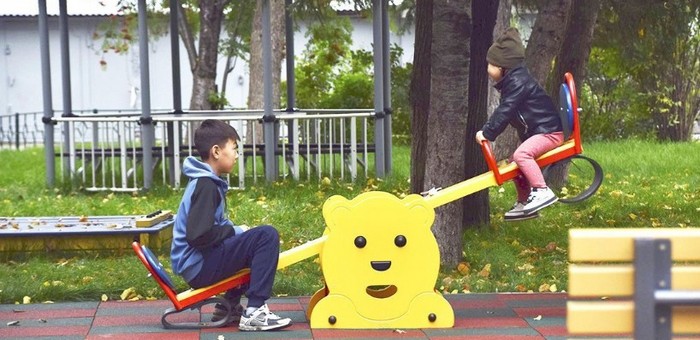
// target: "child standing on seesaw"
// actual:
[[528, 108], [207, 247]]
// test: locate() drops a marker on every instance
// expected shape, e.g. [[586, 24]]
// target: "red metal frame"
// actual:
[[190, 297], [542, 161]]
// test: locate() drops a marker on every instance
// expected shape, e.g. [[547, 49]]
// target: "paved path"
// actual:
[[477, 316]]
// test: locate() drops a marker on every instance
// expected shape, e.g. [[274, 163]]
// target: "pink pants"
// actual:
[[525, 156]]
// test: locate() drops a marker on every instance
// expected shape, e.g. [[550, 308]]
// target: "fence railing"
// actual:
[[105, 152], [20, 130]]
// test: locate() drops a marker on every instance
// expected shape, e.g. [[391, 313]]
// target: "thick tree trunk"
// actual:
[[446, 133], [476, 206], [420, 92], [255, 90], [546, 38], [211, 15], [576, 48], [573, 57]]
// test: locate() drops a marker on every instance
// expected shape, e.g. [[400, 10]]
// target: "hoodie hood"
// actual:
[[194, 168]]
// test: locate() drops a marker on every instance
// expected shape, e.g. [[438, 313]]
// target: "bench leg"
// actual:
[[652, 272]]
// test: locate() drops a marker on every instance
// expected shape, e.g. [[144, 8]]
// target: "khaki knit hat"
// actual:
[[507, 51]]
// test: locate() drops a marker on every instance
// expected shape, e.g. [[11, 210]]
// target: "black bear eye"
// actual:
[[400, 241], [360, 242]]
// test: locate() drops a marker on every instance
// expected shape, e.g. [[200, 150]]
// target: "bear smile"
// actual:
[[381, 292]]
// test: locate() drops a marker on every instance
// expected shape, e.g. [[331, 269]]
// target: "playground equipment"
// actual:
[[379, 258]]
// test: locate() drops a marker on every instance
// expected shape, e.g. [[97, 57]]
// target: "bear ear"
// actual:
[[336, 211], [419, 210]]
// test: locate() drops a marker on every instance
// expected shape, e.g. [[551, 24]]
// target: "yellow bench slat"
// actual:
[[618, 280], [618, 244], [617, 317]]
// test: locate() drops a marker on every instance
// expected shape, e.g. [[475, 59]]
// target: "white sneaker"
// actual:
[[518, 214], [262, 320], [539, 198]]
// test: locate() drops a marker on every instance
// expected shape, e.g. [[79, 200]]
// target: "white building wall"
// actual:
[[116, 85]]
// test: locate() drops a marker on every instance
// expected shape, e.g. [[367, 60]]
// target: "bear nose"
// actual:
[[380, 265]]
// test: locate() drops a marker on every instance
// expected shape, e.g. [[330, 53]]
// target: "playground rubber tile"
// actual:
[[165, 335], [532, 297], [28, 314], [493, 333], [117, 320], [477, 303], [552, 330], [368, 334], [34, 332], [477, 316], [489, 322], [234, 333], [484, 313], [533, 312]]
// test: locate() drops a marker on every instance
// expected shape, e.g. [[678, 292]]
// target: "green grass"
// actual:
[[646, 185]]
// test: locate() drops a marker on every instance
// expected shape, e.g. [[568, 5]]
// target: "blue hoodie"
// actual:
[[201, 221]]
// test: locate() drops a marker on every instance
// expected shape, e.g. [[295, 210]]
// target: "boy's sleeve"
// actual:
[[201, 231], [511, 98]]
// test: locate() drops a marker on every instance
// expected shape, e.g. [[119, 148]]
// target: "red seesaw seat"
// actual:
[[191, 298]]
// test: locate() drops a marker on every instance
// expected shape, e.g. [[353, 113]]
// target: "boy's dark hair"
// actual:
[[213, 132]]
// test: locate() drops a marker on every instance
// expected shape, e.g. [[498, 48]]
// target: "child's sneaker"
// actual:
[[262, 320], [220, 313], [539, 198], [518, 214]]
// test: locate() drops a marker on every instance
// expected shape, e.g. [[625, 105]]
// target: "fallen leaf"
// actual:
[[399, 331], [543, 287], [26, 300], [128, 293], [463, 268], [104, 297], [526, 267], [553, 288], [13, 323], [486, 271], [537, 318]]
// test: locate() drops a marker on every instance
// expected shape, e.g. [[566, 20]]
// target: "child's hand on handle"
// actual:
[[480, 137]]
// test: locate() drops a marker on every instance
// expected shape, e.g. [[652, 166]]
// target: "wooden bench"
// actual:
[[644, 282]]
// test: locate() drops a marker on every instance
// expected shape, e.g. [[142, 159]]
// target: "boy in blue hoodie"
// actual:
[[207, 247]]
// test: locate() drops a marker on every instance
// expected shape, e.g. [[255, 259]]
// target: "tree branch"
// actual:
[[187, 38]]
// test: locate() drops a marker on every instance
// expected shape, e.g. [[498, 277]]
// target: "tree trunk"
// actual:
[[211, 14], [546, 38], [419, 95], [476, 206], [507, 141], [255, 90], [573, 57], [576, 48], [446, 133]]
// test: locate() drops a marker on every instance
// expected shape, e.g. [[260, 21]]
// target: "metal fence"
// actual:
[[20, 130], [104, 152]]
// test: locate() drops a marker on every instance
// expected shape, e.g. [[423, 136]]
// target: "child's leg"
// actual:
[[257, 249], [532, 148], [522, 187]]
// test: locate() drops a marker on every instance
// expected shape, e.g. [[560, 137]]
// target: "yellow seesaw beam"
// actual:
[[462, 189], [301, 252]]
